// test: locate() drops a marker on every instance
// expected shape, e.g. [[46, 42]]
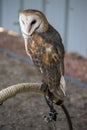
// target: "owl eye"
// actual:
[[33, 22]]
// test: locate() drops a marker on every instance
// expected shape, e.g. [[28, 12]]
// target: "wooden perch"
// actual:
[[19, 88]]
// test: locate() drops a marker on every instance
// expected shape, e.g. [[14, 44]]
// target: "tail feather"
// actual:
[[60, 92]]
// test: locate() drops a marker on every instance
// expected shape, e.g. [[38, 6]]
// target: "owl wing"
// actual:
[[55, 60], [59, 61], [52, 39]]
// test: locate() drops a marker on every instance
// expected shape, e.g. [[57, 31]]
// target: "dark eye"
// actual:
[[33, 22]]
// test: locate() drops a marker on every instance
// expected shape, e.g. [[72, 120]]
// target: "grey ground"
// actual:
[[26, 111]]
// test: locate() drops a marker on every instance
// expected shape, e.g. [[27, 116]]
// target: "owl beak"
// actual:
[[25, 35]]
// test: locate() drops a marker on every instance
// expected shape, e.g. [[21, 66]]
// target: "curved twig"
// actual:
[[19, 88]]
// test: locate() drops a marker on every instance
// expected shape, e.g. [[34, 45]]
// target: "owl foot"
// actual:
[[52, 116]]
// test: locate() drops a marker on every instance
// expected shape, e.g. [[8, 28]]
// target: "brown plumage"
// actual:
[[44, 45]]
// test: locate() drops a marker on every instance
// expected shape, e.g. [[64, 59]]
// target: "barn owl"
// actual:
[[44, 46]]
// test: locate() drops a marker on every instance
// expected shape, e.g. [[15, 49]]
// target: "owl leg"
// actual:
[[52, 114], [49, 100]]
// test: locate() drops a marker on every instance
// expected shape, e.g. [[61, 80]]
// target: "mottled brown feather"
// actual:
[[47, 52]]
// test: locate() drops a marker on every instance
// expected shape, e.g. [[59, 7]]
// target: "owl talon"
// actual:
[[47, 119], [52, 116]]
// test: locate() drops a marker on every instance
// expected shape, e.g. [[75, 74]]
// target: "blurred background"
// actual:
[[69, 17]]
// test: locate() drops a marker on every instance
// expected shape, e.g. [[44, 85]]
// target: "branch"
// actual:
[[19, 88]]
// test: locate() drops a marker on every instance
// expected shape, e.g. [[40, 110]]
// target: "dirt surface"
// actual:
[[26, 111]]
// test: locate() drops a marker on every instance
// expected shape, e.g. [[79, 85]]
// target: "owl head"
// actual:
[[32, 21]]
